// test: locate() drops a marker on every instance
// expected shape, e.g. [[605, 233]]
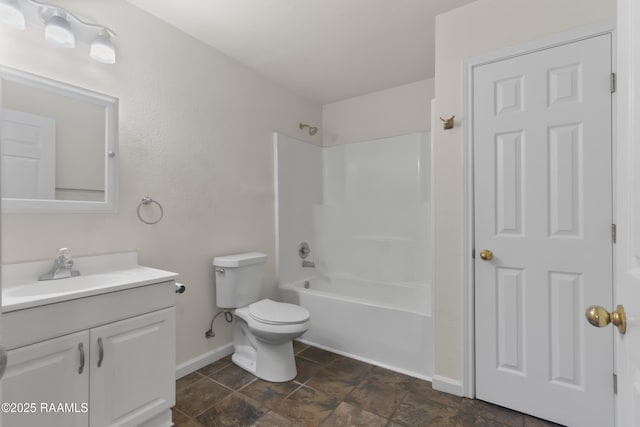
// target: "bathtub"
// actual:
[[389, 325]]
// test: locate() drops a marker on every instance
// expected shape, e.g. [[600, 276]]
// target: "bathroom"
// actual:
[[196, 134]]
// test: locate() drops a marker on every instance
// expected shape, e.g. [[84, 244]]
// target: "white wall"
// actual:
[[374, 222], [397, 111], [299, 191], [480, 27], [195, 134]]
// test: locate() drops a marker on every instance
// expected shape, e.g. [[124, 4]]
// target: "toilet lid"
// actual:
[[277, 313]]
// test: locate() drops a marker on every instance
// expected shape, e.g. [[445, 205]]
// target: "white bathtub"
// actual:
[[389, 325]]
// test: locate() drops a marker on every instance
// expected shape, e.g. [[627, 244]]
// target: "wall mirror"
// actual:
[[58, 144]]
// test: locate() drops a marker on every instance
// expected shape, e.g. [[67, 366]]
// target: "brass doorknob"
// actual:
[[486, 254], [600, 317]]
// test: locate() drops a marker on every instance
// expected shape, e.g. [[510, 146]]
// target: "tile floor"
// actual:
[[330, 390]]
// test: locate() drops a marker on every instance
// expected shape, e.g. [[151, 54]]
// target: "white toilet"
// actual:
[[263, 329]]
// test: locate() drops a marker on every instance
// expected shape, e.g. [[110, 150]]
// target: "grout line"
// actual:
[[296, 389]]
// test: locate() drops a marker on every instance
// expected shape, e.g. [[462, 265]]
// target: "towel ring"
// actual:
[[145, 201]]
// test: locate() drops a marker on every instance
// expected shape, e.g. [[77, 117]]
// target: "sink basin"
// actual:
[[52, 288], [99, 275]]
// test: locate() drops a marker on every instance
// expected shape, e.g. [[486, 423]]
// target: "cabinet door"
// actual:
[[50, 380], [133, 369]]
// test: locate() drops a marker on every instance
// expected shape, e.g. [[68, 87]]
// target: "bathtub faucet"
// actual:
[[308, 264]]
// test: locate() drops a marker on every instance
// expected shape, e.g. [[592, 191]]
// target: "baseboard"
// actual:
[[447, 385], [203, 360]]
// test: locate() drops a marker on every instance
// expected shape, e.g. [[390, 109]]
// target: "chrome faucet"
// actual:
[[62, 267], [308, 264]]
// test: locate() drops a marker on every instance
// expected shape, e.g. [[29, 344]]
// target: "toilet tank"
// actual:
[[238, 279]]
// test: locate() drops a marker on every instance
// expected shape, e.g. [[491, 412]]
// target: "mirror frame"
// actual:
[[110, 104]]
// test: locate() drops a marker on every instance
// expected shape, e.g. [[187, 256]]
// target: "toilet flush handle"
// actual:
[[220, 270]]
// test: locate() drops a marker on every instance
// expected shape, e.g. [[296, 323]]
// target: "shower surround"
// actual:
[[364, 208]]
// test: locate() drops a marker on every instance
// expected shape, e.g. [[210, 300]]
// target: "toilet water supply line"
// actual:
[[228, 316]]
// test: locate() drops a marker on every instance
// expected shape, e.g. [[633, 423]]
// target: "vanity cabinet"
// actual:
[[47, 372], [104, 360], [132, 369]]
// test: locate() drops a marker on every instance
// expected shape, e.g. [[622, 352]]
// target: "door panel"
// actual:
[[28, 155], [543, 206]]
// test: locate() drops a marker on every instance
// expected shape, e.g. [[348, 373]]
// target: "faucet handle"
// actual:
[[63, 253]]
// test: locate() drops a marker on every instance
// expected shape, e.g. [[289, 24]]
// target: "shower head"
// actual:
[[312, 129]]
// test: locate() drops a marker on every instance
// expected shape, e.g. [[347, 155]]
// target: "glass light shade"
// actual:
[[58, 32], [11, 15], [102, 49]]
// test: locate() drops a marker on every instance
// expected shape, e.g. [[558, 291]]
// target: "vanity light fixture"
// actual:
[[102, 49], [58, 32], [11, 14], [61, 27]]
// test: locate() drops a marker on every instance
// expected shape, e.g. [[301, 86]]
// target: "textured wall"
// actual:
[[397, 111], [195, 134]]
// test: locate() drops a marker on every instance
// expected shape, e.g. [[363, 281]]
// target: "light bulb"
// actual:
[[59, 33], [102, 49], [11, 14]]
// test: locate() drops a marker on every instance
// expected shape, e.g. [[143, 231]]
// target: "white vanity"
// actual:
[[93, 350]]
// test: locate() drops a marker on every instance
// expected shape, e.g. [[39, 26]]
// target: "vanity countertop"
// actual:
[[98, 275]]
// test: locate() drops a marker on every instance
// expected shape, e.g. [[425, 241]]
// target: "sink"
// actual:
[[51, 288], [99, 275]]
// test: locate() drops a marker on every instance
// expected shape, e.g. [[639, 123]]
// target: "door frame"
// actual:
[[468, 279]]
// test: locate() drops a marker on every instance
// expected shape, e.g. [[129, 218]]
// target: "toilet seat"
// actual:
[[277, 313]]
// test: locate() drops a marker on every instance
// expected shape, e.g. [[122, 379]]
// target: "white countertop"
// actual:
[[98, 274]]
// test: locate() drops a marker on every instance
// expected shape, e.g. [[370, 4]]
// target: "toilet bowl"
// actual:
[[263, 335], [264, 329]]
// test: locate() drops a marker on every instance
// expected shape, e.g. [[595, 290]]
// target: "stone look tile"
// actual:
[[298, 347], [346, 415], [179, 418], [380, 392], [334, 383], [530, 421], [491, 412], [214, 367], [271, 419], [269, 394], [188, 380], [199, 396], [306, 369], [424, 389], [317, 355], [351, 367], [233, 377], [416, 411], [474, 420], [337, 391], [307, 407], [235, 410]]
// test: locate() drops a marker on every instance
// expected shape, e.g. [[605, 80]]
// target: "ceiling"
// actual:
[[324, 50]]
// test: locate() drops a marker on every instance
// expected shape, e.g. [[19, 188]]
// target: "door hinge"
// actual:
[[613, 82], [615, 383], [613, 233]]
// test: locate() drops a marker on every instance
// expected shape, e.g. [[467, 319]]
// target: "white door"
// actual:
[[628, 215], [28, 155], [543, 207]]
